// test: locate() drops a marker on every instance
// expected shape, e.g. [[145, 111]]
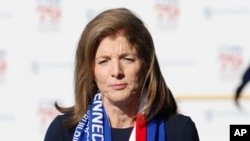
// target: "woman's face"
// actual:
[[117, 68]]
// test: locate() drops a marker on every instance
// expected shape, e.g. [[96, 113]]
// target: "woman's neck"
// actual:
[[122, 115]]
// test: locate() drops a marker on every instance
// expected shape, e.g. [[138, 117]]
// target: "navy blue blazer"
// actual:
[[178, 128]]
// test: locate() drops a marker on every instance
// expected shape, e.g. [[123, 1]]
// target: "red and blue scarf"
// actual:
[[95, 126]]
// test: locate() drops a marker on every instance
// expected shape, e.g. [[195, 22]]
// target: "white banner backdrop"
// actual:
[[203, 47]]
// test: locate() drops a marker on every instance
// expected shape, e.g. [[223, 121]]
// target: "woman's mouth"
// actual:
[[119, 86]]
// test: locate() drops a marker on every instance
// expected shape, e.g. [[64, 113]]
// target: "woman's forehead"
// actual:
[[115, 45]]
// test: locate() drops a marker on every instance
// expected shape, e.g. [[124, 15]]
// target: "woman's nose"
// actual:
[[117, 70]]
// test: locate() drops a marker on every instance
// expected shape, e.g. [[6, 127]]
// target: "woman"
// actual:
[[120, 93]]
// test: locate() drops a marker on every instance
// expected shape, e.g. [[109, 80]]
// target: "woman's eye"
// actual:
[[130, 59], [102, 61]]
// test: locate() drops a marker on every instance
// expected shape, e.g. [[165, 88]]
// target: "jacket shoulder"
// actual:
[[180, 127], [57, 131]]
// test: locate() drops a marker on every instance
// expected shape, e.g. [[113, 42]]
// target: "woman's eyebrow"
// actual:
[[102, 57]]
